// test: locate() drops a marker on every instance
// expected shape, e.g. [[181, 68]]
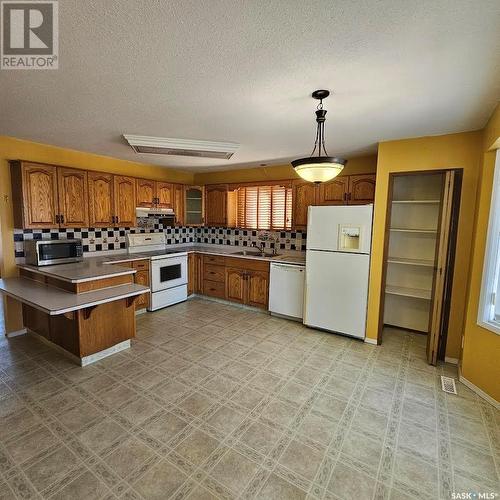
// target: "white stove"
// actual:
[[168, 269]]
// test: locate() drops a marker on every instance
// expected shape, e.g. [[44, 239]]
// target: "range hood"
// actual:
[[154, 212]]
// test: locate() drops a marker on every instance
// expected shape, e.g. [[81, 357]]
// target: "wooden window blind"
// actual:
[[264, 207]]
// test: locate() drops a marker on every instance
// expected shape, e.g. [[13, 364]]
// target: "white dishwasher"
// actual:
[[286, 290]]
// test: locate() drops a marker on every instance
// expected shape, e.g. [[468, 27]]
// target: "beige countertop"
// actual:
[[107, 265], [285, 256], [78, 272], [55, 301]]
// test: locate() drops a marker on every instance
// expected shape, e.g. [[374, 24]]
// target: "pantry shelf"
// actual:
[[402, 291], [422, 202], [407, 230], [411, 262]]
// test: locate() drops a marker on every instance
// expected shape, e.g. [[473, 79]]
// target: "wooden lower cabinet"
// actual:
[[245, 281], [257, 288], [214, 289], [235, 285], [141, 277], [195, 281], [213, 276]]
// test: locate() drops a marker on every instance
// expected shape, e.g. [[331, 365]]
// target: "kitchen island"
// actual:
[[84, 309]]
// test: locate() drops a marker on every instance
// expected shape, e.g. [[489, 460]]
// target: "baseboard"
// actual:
[[478, 391], [17, 333], [86, 360], [92, 358], [453, 361], [371, 341]]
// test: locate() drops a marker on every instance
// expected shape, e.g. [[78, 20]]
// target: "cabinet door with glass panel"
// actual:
[[194, 206]]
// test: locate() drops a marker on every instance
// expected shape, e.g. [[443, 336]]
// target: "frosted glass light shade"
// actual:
[[319, 169]]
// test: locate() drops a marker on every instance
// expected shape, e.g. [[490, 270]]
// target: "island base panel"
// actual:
[[85, 332]]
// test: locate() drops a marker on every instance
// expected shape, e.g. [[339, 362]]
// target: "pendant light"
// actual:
[[319, 168]]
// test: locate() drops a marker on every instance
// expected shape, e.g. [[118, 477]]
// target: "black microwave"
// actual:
[[50, 252]]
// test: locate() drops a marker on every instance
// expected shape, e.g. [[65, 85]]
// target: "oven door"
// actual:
[[168, 273]]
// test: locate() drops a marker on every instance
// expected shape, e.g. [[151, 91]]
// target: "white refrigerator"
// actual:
[[337, 268]]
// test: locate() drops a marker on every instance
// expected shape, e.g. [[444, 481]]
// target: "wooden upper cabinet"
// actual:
[[124, 200], [334, 192], [34, 194], [164, 195], [146, 192], [179, 203], [235, 285], [73, 197], [361, 189], [216, 205], [101, 206], [304, 195], [257, 288]]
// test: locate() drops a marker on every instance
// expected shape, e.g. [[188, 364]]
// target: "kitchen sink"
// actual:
[[256, 253]]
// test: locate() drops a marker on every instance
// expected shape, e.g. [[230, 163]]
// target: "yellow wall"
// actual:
[[358, 165], [14, 149], [428, 153], [480, 363]]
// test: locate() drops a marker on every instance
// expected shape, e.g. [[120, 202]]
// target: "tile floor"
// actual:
[[214, 401]]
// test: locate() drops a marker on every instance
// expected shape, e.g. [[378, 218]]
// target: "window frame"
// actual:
[[289, 196], [491, 267]]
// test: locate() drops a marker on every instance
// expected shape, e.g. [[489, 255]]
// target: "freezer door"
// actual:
[[335, 228], [337, 292]]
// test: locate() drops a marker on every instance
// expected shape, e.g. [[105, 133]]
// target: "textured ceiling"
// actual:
[[242, 71]]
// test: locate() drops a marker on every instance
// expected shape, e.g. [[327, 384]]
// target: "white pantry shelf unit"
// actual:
[[419, 254], [413, 231]]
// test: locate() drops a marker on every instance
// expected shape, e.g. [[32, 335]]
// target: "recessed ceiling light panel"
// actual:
[[181, 147]]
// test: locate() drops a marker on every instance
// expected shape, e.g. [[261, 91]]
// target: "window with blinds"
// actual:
[[264, 207]]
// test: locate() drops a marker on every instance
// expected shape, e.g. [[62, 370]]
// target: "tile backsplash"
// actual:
[[284, 240], [114, 238]]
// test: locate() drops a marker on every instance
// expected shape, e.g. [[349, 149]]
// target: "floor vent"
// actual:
[[448, 385]]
